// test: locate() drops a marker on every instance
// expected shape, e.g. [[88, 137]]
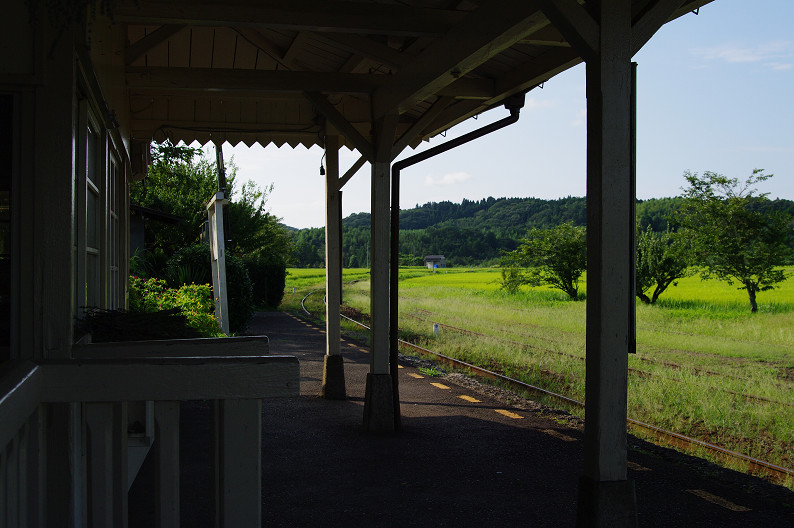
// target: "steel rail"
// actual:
[[776, 473], [637, 372]]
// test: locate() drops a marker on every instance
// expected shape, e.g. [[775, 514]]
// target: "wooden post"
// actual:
[[166, 449], [107, 466], [379, 400], [333, 386], [218, 258], [606, 497], [237, 464]]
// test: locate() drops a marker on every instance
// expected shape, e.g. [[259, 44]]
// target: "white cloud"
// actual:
[[776, 55], [450, 178]]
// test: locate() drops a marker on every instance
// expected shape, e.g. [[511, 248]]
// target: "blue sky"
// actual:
[[714, 94]]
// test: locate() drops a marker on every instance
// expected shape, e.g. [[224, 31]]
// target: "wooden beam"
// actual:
[[547, 43], [366, 47], [258, 40], [144, 128], [202, 347], [575, 24], [343, 125], [416, 128], [352, 171], [452, 115], [466, 88], [652, 20], [141, 46], [295, 47], [297, 15], [486, 32], [535, 71], [208, 378], [263, 81]]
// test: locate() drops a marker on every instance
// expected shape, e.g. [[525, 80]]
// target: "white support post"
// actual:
[[218, 257], [379, 267], [379, 412], [166, 449], [107, 464], [237, 466], [333, 386], [606, 497]]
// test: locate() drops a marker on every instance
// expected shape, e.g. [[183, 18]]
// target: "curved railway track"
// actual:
[[753, 466]]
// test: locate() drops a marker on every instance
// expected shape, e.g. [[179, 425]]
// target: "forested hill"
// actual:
[[473, 232]]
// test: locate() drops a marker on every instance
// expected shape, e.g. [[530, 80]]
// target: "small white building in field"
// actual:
[[435, 261]]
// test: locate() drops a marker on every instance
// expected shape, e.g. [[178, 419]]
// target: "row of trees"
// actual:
[[722, 226], [477, 232]]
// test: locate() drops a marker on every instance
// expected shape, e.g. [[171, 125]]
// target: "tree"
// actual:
[[180, 182], [556, 256], [662, 259], [731, 238]]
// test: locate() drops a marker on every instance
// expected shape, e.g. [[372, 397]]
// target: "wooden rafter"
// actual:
[[366, 47], [338, 120], [575, 24], [659, 13], [416, 128], [486, 32], [298, 15], [141, 46], [233, 82], [263, 81], [259, 41]]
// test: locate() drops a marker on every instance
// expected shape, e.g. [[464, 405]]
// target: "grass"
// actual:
[[705, 366]]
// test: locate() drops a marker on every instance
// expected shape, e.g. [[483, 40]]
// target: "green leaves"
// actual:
[[662, 259], [556, 256], [733, 238]]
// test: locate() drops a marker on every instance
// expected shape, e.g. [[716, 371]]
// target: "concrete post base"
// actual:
[[606, 504], [379, 404], [333, 378]]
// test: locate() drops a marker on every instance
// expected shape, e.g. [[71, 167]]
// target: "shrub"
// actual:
[[269, 277], [192, 301], [194, 262]]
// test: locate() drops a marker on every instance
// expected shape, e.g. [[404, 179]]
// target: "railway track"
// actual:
[[753, 466], [636, 372]]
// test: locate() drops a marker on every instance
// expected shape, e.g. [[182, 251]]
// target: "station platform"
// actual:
[[466, 455]]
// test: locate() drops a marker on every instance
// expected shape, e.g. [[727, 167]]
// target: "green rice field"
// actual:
[[705, 366]]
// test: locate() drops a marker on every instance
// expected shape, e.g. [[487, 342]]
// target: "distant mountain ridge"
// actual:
[[475, 232]]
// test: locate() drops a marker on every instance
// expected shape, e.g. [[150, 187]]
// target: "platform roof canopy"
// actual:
[[270, 71]]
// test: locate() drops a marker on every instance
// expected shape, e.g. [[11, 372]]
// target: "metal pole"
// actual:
[[514, 104]]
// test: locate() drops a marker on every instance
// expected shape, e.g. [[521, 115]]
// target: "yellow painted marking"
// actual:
[[469, 399], [636, 467], [509, 414], [364, 350], [400, 366], [417, 376], [440, 386], [558, 435], [719, 501]]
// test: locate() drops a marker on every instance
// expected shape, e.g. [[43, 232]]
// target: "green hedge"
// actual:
[[269, 277], [193, 264]]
